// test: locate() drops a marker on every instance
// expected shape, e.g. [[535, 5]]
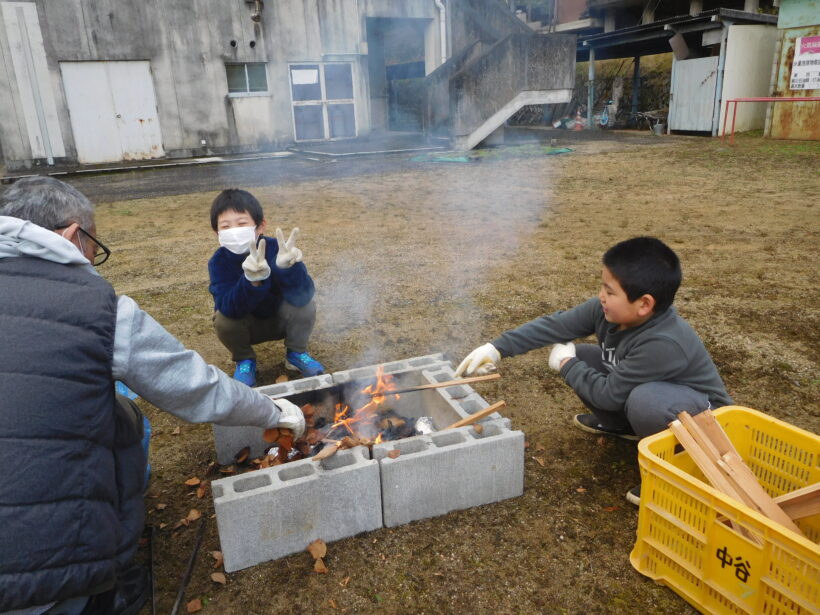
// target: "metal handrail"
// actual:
[[756, 99]]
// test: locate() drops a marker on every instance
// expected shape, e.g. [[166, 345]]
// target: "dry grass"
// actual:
[[443, 258]]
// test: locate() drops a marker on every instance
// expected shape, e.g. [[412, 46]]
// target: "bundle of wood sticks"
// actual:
[[715, 455]]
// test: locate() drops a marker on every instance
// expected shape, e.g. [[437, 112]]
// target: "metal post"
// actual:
[[636, 88], [591, 87]]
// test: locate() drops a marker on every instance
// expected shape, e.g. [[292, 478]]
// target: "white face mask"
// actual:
[[237, 239]]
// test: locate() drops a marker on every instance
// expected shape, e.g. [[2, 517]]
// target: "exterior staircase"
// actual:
[[500, 65]]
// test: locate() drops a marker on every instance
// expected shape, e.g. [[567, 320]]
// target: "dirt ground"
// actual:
[[417, 258]]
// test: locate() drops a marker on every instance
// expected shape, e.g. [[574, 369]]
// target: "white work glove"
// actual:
[[559, 353], [480, 361], [288, 254], [255, 266], [291, 417]]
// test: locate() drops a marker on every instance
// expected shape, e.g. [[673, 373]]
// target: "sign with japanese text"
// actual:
[[806, 64]]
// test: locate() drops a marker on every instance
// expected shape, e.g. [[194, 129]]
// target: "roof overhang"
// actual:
[[653, 38]]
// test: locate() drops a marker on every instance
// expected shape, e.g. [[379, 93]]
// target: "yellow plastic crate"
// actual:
[[685, 539]]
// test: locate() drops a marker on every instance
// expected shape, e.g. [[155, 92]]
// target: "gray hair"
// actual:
[[46, 202]]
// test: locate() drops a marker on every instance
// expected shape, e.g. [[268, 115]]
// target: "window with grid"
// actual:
[[247, 78], [323, 102]]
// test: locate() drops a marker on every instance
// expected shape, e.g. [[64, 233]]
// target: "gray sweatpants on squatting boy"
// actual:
[[290, 323], [650, 407]]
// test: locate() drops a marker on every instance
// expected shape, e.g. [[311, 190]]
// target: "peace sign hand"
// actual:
[[288, 254], [255, 266]]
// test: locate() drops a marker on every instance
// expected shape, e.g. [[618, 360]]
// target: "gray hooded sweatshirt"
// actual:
[[663, 349]]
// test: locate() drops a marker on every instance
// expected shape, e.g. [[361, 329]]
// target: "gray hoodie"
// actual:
[[148, 359], [663, 349]]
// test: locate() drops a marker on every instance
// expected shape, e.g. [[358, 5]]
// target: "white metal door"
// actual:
[[693, 94], [113, 110]]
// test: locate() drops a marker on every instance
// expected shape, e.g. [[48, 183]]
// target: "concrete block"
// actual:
[[273, 512], [470, 469]]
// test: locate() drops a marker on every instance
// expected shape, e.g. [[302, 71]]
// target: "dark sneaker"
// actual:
[[589, 423], [303, 363], [246, 372], [633, 496]]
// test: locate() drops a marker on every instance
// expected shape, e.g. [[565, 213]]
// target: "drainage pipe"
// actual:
[[442, 23]]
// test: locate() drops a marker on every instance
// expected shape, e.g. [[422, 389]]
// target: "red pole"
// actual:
[[725, 119], [734, 116]]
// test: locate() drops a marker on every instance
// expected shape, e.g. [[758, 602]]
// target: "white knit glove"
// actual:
[[288, 254], [255, 266], [291, 417], [559, 353], [480, 361]]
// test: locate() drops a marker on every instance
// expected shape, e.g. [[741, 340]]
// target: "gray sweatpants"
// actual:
[[290, 323], [650, 407]]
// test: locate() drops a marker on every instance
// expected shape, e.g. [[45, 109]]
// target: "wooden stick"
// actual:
[[478, 415], [438, 385], [802, 503]]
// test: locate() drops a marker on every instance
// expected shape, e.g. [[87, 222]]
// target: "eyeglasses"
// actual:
[[101, 251]]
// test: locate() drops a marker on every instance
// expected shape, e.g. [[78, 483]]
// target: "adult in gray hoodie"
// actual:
[[649, 364], [70, 522]]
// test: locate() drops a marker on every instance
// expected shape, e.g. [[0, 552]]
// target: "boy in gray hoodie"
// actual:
[[649, 364]]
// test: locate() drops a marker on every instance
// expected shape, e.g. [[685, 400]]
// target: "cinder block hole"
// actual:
[[487, 431], [295, 471], [471, 406], [337, 461], [217, 491], [251, 483], [447, 439], [410, 446], [308, 383], [457, 392], [442, 377], [391, 367]]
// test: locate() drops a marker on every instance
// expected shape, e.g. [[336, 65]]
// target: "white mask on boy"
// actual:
[[237, 239]]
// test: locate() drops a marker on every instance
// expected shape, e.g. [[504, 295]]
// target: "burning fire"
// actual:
[[368, 415]]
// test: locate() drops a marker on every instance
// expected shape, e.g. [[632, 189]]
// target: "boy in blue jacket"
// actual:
[[649, 364], [261, 287]]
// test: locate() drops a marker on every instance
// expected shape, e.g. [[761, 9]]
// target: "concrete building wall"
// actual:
[[188, 43], [747, 73]]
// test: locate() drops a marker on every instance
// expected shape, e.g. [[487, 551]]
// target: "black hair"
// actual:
[[234, 199], [645, 266]]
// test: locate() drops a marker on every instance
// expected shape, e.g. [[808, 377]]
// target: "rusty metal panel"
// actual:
[[794, 120]]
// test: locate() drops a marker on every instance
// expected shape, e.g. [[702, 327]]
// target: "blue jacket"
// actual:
[[235, 297]]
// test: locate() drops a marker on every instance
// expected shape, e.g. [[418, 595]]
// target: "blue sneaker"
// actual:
[[246, 372], [303, 363]]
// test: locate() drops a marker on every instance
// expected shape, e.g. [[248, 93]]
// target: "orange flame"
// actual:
[[366, 415]]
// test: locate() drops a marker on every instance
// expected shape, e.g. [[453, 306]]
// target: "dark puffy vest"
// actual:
[[70, 500]]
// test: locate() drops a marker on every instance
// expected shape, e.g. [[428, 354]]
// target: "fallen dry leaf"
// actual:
[[194, 605], [601, 441], [227, 470], [318, 548], [193, 515], [219, 577], [611, 508], [161, 506], [202, 490], [319, 566], [348, 442], [394, 453], [218, 559], [327, 451], [478, 428], [332, 603], [540, 461], [175, 432], [242, 455], [344, 581], [282, 378], [581, 490], [271, 435], [539, 448], [162, 526], [193, 481]]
